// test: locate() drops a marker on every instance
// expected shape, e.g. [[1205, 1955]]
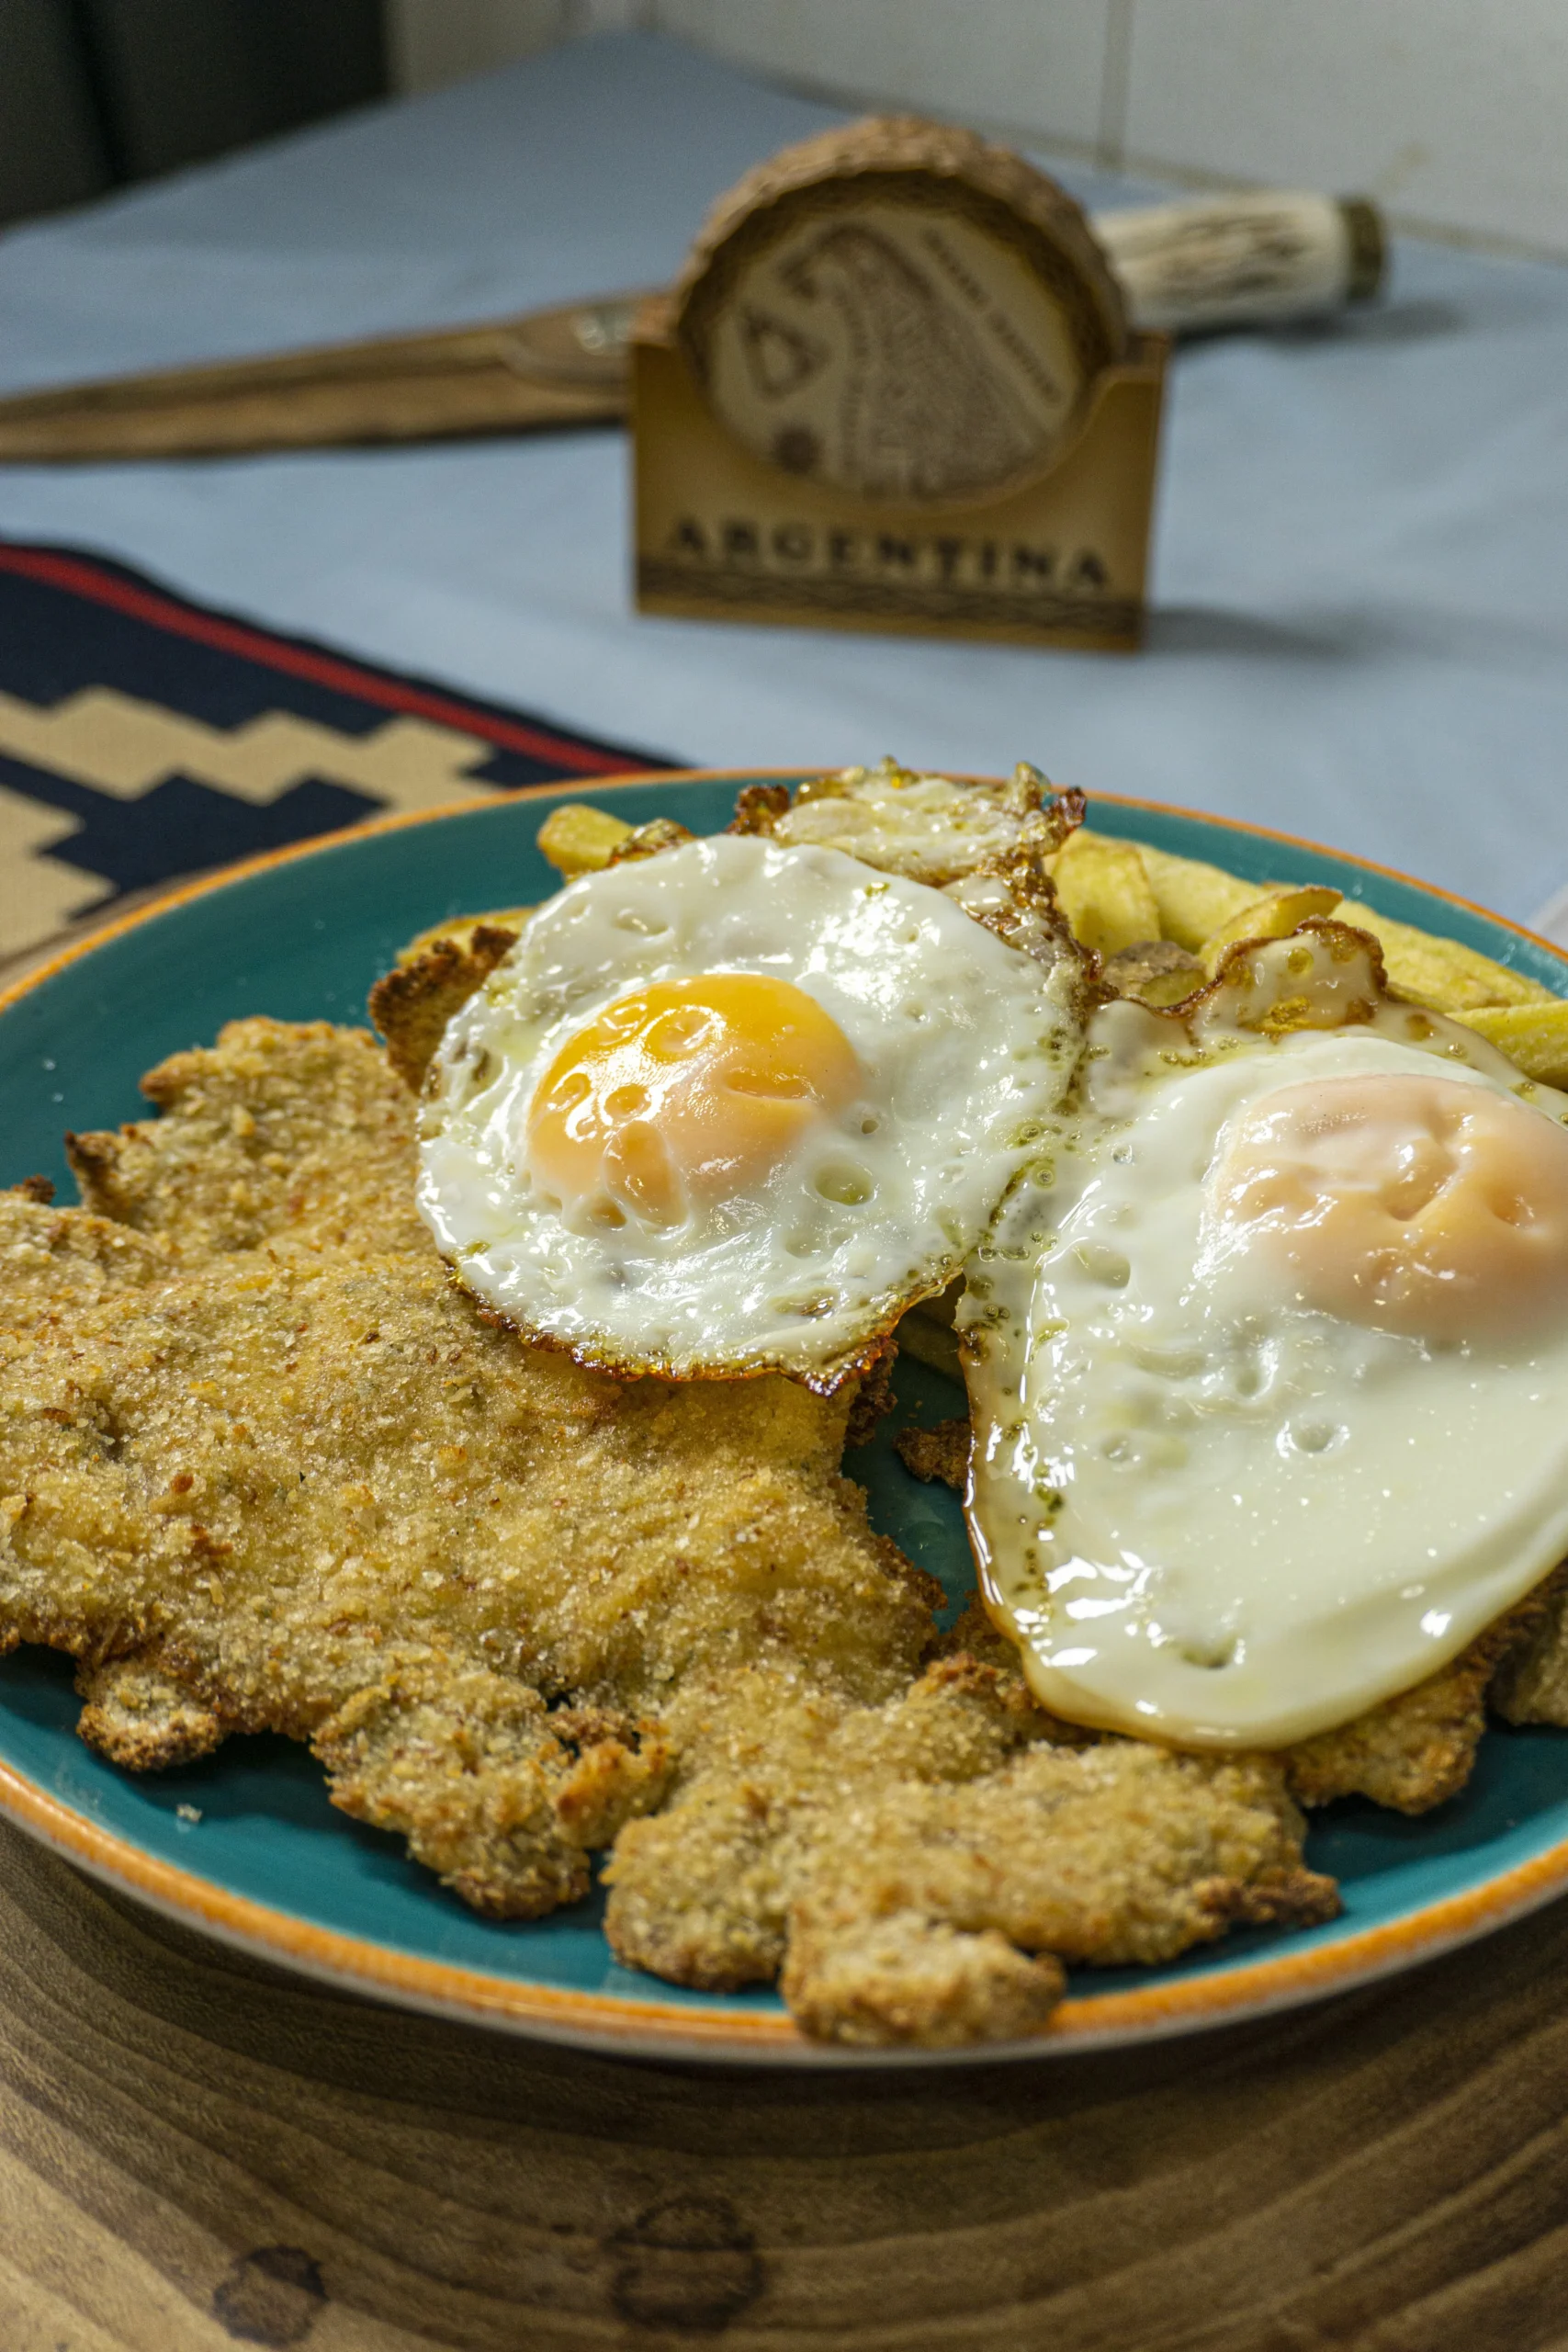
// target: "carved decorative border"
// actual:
[[771, 592]]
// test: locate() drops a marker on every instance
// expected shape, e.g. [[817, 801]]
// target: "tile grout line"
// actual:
[[1111, 142]]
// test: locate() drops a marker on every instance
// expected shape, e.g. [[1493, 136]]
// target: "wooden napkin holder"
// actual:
[[895, 388]]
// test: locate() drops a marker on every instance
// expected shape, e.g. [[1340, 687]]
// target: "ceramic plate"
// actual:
[[270, 1865]]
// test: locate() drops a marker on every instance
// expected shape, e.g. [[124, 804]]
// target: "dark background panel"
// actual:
[[51, 150], [95, 94]]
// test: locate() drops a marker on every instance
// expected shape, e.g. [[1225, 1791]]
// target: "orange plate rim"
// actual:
[[650, 2027]]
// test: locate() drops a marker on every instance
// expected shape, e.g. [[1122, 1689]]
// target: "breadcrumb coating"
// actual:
[[921, 1870], [939, 1453], [264, 1466], [1417, 1749], [280, 1133], [319, 1494], [53, 1259], [141, 1718], [1531, 1686], [411, 1005], [901, 1977]]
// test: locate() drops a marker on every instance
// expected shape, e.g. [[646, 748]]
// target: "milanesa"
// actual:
[[266, 1467]]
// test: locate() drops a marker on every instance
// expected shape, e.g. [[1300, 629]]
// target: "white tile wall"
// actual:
[[431, 41], [1041, 63], [1453, 112]]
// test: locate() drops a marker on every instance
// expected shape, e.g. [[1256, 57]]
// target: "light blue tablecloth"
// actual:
[[1361, 584]]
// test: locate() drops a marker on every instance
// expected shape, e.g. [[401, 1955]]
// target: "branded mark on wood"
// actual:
[[689, 2263], [271, 2297]]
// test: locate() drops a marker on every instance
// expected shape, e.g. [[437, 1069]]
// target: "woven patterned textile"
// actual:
[[143, 738]]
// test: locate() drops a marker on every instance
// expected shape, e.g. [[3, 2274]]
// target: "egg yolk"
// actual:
[[686, 1092], [1418, 1205]]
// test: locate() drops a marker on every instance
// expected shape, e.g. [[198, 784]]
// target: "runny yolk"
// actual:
[[1420, 1206], [683, 1094]]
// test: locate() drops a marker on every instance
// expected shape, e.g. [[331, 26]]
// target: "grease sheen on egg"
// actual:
[[1271, 1375], [732, 1108]]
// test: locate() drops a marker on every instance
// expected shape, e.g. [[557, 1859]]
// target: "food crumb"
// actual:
[[940, 1453]]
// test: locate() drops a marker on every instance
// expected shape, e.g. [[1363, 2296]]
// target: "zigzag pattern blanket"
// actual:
[[143, 738]]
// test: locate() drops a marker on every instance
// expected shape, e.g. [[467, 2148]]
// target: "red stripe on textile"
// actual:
[[322, 669]]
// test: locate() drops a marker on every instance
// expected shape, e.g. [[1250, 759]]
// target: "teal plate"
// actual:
[[246, 1845]]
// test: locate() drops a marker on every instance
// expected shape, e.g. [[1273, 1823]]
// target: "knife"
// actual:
[[1243, 260]]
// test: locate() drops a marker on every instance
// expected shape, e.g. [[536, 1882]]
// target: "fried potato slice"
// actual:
[[1194, 900], [1273, 916], [1105, 893], [579, 839], [1442, 974], [411, 1005], [294, 1135], [1534, 1037]]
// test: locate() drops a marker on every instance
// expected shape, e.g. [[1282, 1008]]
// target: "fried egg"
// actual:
[[1269, 1361], [931, 829], [731, 1108]]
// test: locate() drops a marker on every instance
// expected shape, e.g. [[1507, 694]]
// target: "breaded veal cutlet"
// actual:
[[265, 1465]]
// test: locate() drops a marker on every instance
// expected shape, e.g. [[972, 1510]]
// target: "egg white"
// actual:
[[1206, 1514], [966, 1045]]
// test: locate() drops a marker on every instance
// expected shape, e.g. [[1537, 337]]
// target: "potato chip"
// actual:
[[1273, 916], [1535, 1037], [581, 840], [1105, 894], [1439, 973], [1194, 900]]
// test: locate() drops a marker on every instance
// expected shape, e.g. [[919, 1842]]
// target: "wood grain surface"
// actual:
[[197, 2151]]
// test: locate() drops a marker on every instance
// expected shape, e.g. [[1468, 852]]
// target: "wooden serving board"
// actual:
[[197, 2151]]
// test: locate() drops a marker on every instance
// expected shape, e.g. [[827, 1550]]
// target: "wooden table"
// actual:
[[196, 2151]]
